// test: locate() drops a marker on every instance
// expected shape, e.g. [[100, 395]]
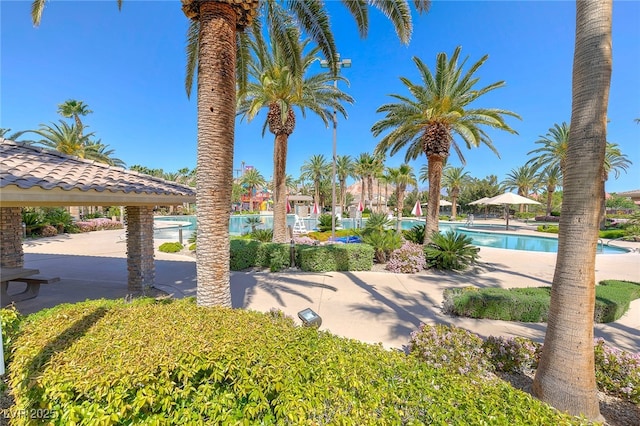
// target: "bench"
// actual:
[[33, 288]]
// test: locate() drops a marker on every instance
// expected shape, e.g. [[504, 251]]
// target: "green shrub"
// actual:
[[524, 215], [192, 247], [512, 354], [33, 220], [177, 363], [415, 234], [58, 217], [335, 257], [324, 222], [243, 254], [518, 304], [532, 304], [383, 243], [10, 320], [612, 234], [450, 251], [377, 222], [617, 372], [48, 231], [550, 229], [408, 259], [173, 247], [451, 348], [264, 235], [324, 236]]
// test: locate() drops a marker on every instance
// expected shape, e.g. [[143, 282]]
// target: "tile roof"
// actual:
[[26, 168]]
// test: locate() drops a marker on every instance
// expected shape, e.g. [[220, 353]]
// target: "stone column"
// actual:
[[140, 249], [11, 254]]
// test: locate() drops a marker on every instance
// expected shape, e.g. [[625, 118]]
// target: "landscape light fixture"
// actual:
[[345, 63], [309, 318]]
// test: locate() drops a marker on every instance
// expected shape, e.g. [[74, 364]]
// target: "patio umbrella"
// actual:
[[445, 203], [483, 202], [417, 210], [360, 206], [316, 209], [289, 208], [509, 198]]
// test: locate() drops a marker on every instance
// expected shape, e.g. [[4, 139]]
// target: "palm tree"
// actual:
[[316, 169], [279, 89], [361, 171], [252, 179], [454, 178], [4, 133], [525, 179], [377, 168], [565, 377], [72, 108], [344, 169], [554, 148], [385, 178], [550, 178], [216, 29], [401, 177], [438, 109], [97, 151], [614, 161], [64, 138]]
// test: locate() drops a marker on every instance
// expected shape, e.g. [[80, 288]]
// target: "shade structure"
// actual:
[[445, 203], [417, 209], [509, 198], [481, 201]]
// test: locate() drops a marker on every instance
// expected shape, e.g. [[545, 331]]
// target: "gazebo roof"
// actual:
[[33, 176]]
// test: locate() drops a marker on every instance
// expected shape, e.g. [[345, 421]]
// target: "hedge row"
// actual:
[[177, 363], [334, 257], [532, 304]]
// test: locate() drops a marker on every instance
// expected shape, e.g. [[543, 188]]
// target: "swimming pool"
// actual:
[[237, 226]]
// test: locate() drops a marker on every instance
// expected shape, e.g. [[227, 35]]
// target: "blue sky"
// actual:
[[128, 67]]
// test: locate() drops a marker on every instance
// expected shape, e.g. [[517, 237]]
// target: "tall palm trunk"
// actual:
[[566, 374], [434, 164], [280, 188], [214, 180], [343, 194], [362, 191], [550, 192], [400, 193], [370, 191], [454, 201]]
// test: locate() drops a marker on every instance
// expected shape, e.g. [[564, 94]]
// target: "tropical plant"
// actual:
[[454, 178], [401, 177], [277, 87], [252, 179], [525, 179], [344, 169], [383, 243], [215, 41], [72, 108], [264, 235], [415, 234], [550, 178], [450, 251], [565, 377], [553, 151], [252, 222], [376, 222], [325, 222], [438, 109], [316, 169]]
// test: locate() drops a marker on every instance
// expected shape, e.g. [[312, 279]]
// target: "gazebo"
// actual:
[[38, 177]]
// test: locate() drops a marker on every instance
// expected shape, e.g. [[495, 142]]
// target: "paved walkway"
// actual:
[[368, 306]]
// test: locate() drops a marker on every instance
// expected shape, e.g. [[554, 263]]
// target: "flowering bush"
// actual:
[[512, 354], [450, 348], [617, 372], [408, 259], [98, 224]]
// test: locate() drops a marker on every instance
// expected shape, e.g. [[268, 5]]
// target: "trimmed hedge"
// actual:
[[251, 253], [335, 257], [177, 363], [532, 304]]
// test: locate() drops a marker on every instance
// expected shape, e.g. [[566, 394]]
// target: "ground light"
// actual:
[[309, 318]]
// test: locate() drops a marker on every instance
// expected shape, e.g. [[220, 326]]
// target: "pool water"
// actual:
[[237, 226]]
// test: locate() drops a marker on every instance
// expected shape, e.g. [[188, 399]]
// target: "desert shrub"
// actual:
[[48, 231], [450, 348], [415, 234], [304, 240], [408, 259], [264, 235], [383, 243], [225, 366], [322, 237], [512, 354], [450, 251], [335, 257], [58, 217], [550, 229], [617, 372], [98, 224], [170, 247], [192, 247], [275, 256]]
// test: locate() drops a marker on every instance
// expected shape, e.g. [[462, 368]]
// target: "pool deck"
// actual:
[[369, 306]]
